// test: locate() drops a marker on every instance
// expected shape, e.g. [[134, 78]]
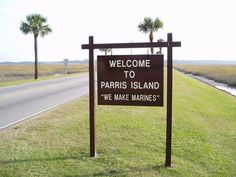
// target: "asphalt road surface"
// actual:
[[18, 103]]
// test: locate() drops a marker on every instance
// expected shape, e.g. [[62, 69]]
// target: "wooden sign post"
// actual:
[[126, 90]]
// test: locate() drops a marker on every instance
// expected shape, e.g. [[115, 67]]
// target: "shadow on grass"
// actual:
[[107, 171], [38, 160], [123, 172]]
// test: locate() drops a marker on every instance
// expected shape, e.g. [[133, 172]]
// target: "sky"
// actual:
[[206, 28]]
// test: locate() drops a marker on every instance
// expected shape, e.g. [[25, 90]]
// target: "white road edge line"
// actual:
[[40, 112]]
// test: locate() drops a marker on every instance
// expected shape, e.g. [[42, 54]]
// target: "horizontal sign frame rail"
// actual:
[[131, 45]]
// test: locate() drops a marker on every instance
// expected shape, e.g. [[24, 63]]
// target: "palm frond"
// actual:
[[25, 28], [146, 25], [157, 24], [105, 50], [160, 40], [45, 30], [35, 23], [142, 28]]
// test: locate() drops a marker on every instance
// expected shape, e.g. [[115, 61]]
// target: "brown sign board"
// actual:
[[130, 80]]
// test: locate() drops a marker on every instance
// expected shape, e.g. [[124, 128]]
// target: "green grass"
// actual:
[[220, 73], [130, 140]]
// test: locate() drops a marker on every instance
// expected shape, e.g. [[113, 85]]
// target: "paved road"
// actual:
[[23, 101]]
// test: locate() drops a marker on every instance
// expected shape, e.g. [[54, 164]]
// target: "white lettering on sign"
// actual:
[[113, 85], [129, 74], [145, 85], [130, 80], [121, 97], [140, 97], [129, 63], [107, 96]]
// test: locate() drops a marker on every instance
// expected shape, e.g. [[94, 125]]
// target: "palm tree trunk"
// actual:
[[35, 58], [151, 40]]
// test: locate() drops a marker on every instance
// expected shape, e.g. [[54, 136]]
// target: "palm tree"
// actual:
[[35, 23], [160, 40], [150, 26], [106, 50]]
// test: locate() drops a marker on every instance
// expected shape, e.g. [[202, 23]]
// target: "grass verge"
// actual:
[[25, 81], [15, 74], [220, 73], [130, 140]]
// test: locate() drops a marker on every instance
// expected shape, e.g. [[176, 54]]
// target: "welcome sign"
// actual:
[[130, 80]]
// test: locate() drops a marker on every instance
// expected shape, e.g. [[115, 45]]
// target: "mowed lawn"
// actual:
[[130, 140]]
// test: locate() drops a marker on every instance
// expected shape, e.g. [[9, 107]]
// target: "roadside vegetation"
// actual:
[[22, 72], [220, 73], [150, 26], [130, 139], [35, 24]]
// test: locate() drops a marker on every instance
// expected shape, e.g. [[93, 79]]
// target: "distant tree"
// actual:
[[106, 50], [35, 23], [160, 40], [150, 26]]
